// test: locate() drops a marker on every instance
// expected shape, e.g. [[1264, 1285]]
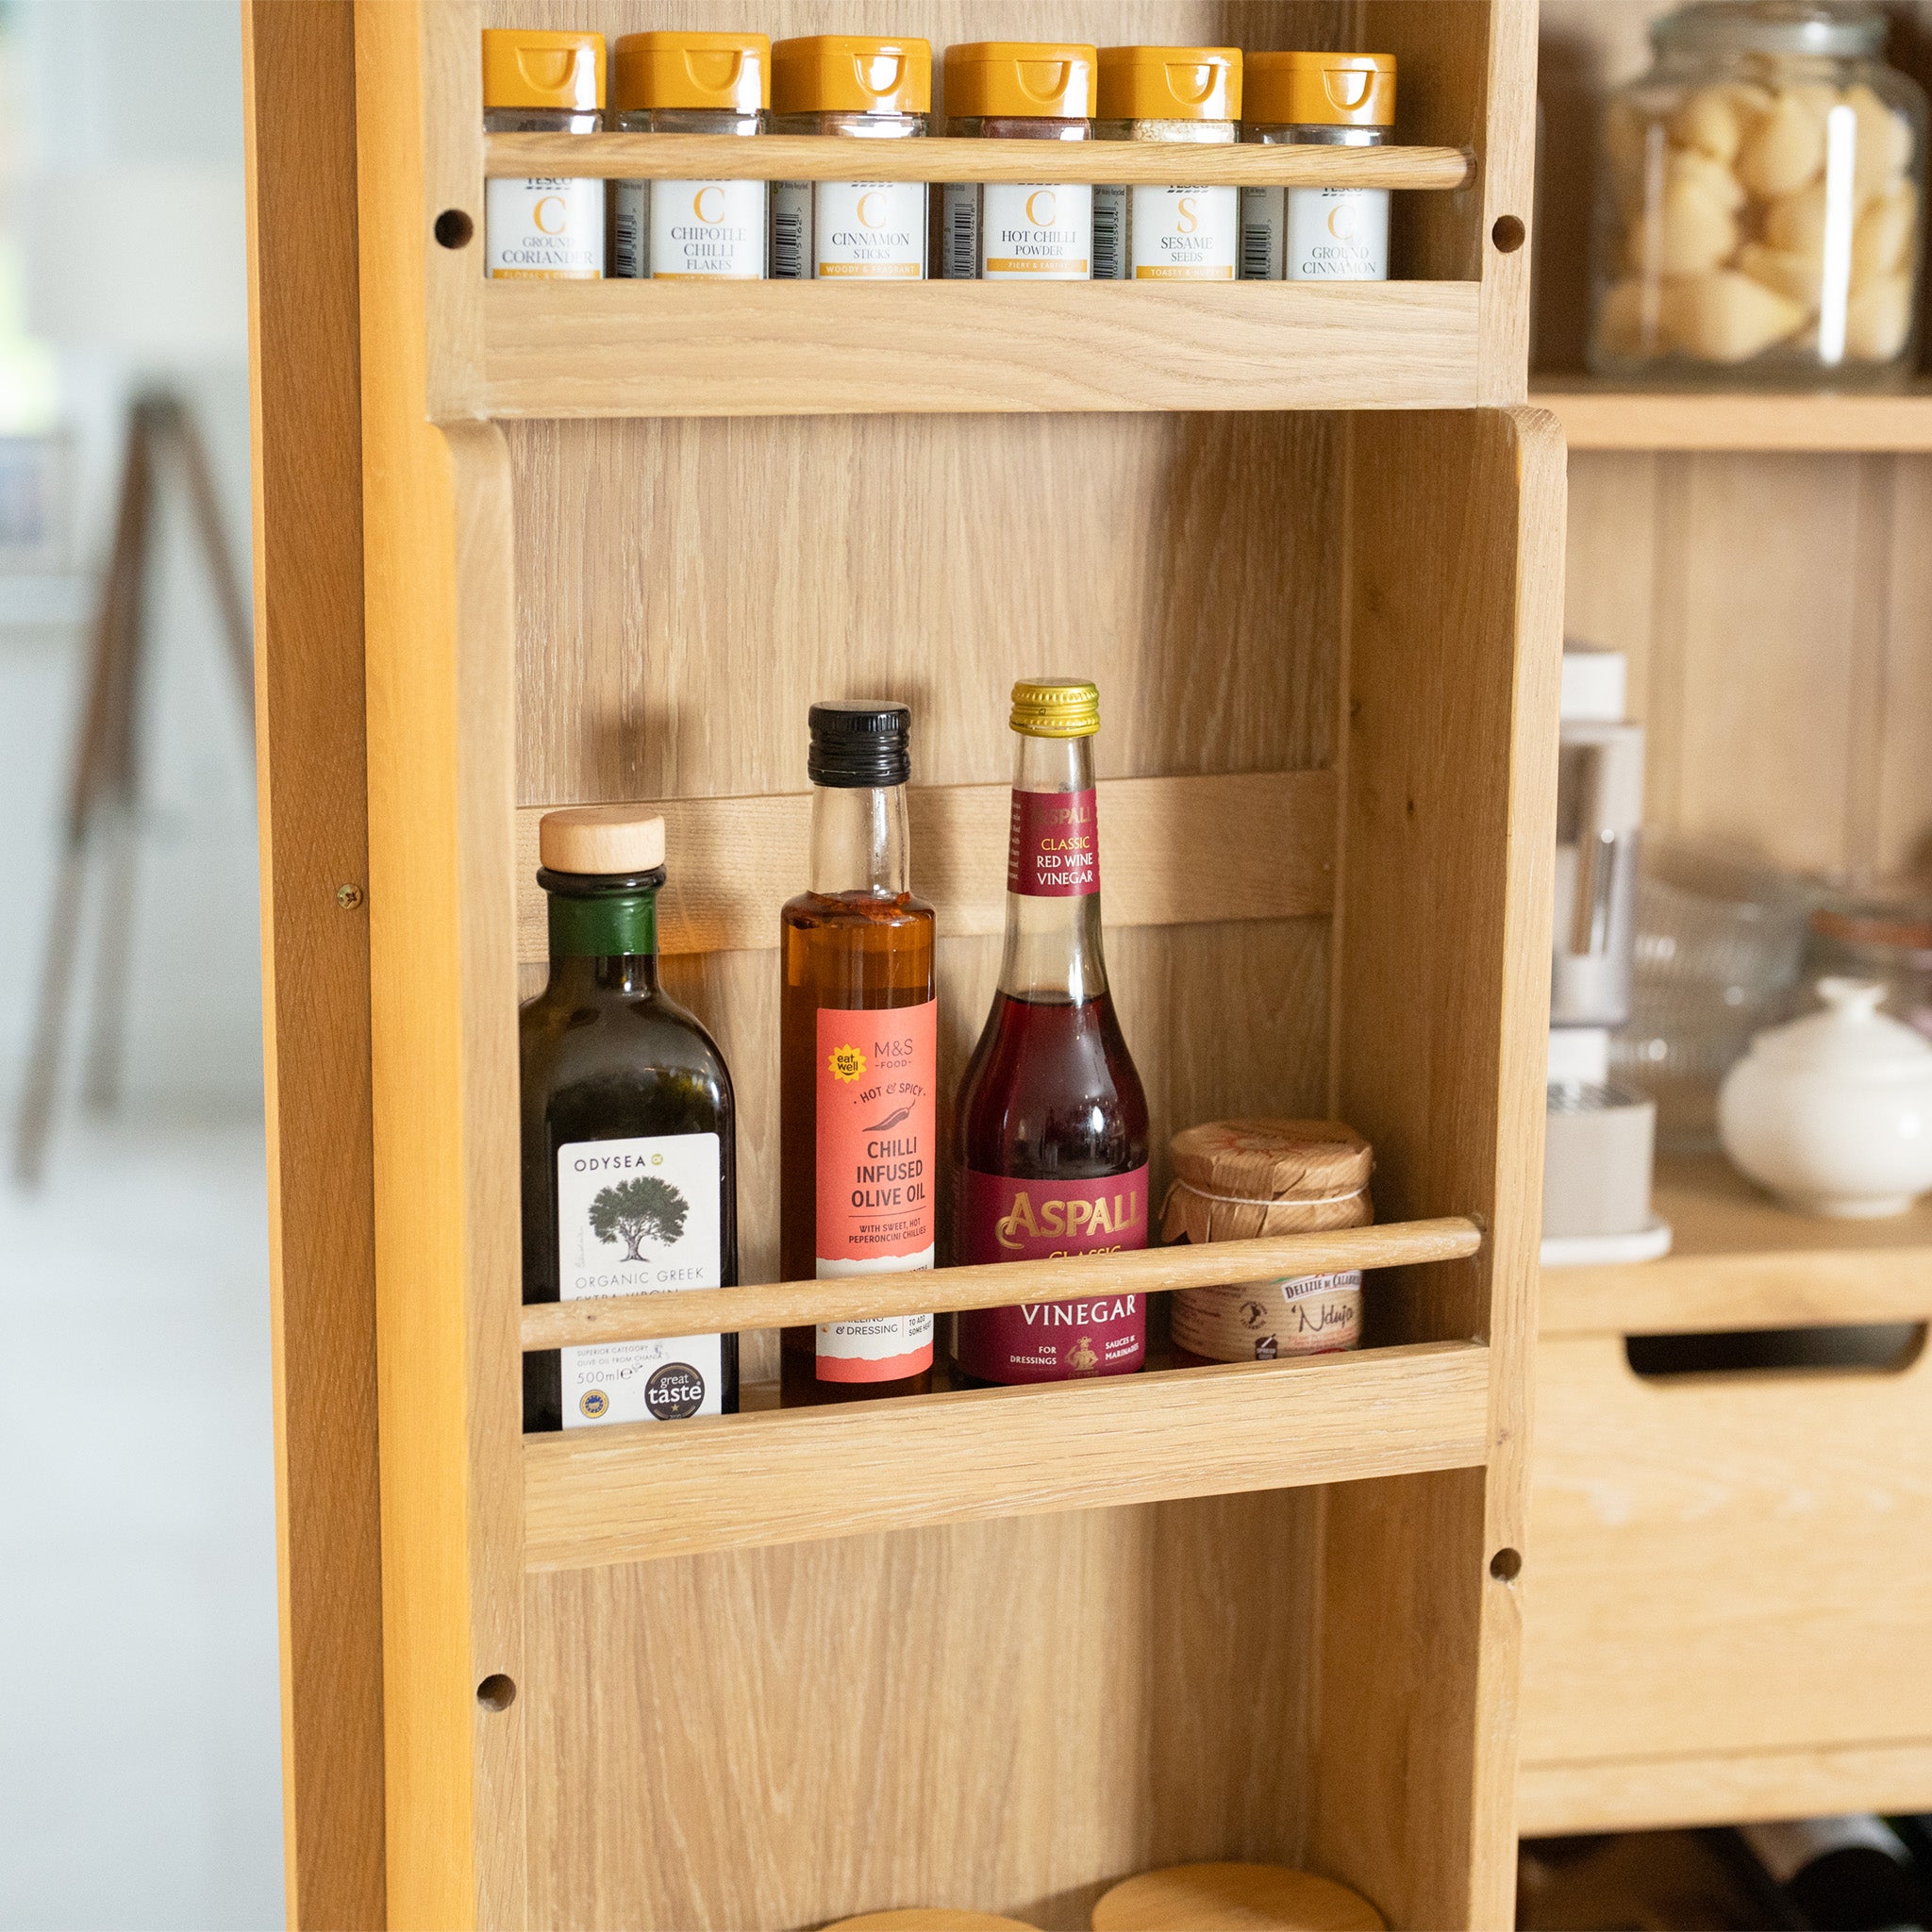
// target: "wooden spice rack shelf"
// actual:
[[825, 158], [629, 1494], [635, 348], [1601, 416]]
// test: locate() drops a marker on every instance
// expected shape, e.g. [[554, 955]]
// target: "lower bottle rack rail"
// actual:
[[640, 1491]]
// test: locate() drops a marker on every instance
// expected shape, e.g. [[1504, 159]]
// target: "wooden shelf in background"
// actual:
[[829, 158], [1599, 416], [638, 1491], [637, 348], [1739, 1260]]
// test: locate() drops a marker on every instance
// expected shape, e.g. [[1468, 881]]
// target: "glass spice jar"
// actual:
[[697, 230], [1150, 233], [1317, 234], [547, 227], [1759, 207], [864, 89], [1237, 1181], [1018, 230]]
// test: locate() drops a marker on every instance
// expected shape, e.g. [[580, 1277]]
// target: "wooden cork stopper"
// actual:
[[1235, 1180], [1233, 1898], [607, 839], [929, 1918]]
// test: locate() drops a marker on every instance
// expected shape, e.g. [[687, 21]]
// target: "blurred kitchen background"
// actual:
[[139, 1757]]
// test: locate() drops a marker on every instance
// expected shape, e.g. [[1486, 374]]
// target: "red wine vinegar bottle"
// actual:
[[1052, 1119], [857, 1062]]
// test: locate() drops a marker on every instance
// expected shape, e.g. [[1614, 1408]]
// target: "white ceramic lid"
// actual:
[[1850, 1038]]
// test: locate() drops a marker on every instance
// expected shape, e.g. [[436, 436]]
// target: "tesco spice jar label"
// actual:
[[1166, 234], [874, 229], [1014, 231], [690, 232], [1003, 1219], [543, 230]]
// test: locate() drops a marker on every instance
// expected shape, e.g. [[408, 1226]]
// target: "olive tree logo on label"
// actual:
[[637, 1211]]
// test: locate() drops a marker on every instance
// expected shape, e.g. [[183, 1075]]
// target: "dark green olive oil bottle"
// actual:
[[629, 1156]]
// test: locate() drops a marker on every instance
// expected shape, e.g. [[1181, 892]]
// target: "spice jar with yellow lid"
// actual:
[[1185, 95], [1317, 234], [1020, 230], [859, 88], [1239, 1180], [547, 227], [678, 83]]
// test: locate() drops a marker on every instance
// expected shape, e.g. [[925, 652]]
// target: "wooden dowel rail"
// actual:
[[824, 157], [864, 1297]]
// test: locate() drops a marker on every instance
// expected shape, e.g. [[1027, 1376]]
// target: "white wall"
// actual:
[[105, 84]]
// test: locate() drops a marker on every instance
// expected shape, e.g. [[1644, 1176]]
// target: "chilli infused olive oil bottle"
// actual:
[[1052, 1141], [858, 1073], [629, 1142]]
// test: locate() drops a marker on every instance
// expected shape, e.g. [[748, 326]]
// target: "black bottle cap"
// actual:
[[861, 743]]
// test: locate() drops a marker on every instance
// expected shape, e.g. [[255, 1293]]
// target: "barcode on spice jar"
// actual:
[[963, 233], [1107, 238], [788, 246], [1256, 253]]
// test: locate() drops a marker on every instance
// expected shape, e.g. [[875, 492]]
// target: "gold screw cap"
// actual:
[[1057, 707]]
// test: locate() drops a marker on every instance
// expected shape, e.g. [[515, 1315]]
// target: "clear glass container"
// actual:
[[701, 229], [543, 227], [1018, 230], [1883, 935], [1759, 213], [1321, 100], [860, 88]]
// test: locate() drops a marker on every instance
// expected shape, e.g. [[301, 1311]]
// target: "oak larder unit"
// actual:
[[1000, 1647]]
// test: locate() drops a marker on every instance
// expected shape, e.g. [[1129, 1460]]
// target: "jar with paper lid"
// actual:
[[1018, 230], [543, 227], [1240, 1180], [1150, 233], [700, 229], [1319, 100], [859, 88], [1760, 201]]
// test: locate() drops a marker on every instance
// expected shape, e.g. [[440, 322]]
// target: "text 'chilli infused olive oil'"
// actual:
[[629, 1142], [858, 1051], [1053, 1120]]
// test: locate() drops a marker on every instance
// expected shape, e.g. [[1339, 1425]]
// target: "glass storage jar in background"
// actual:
[[674, 83], [1885, 937], [1013, 231], [1317, 234], [543, 229], [1759, 205], [873, 89], [1190, 94]]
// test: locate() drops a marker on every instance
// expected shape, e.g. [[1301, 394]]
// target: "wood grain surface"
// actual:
[[1155, 1271], [1217, 1898], [657, 348], [1710, 1550], [1189, 852], [636, 1492], [1022, 1712], [300, 116], [824, 157], [1600, 417], [1740, 1260]]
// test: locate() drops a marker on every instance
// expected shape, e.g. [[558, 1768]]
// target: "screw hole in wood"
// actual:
[[496, 1692], [1508, 235], [453, 228], [1506, 1566]]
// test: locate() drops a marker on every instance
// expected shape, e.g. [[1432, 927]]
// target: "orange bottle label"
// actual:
[[877, 1080]]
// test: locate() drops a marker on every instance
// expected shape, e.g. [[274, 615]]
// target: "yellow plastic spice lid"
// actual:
[[1321, 91], [1056, 708], [852, 74], [1039, 78], [1170, 83], [528, 69], [729, 73]]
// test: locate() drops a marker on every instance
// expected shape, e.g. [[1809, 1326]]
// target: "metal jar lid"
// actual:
[[1772, 26]]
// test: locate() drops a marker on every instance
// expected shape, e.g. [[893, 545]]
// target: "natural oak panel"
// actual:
[[1738, 1260], [1708, 1551], [1155, 1271], [653, 348], [1074, 1697], [1596, 416], [1641, 1794], [1252, 846], [623, 1494], [822, 158]]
